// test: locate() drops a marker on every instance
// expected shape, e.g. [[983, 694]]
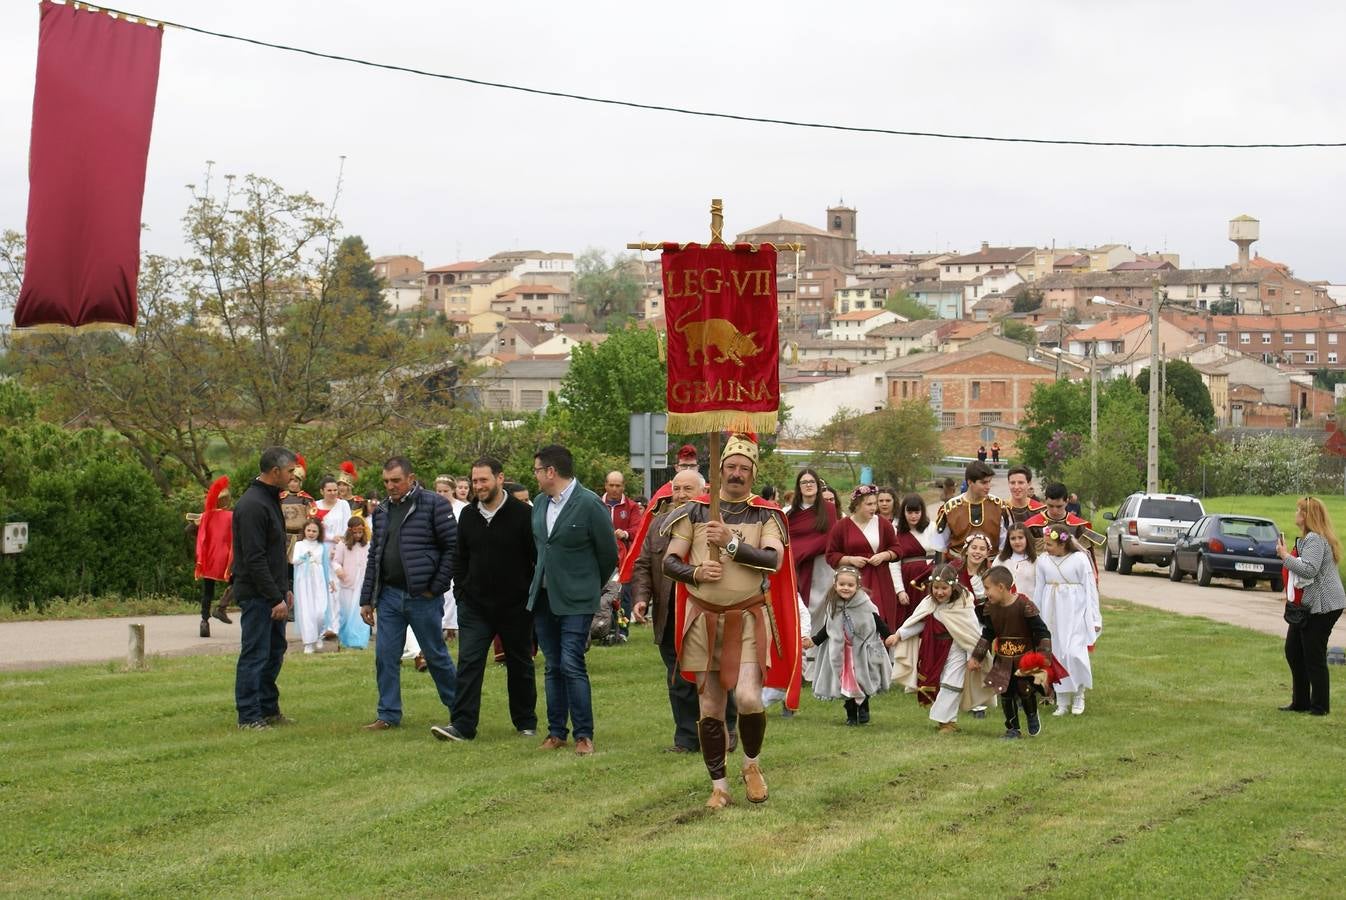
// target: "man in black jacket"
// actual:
[[410, 567], [492, 570], [262, 589]]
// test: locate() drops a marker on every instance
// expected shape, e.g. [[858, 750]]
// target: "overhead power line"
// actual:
[[712, 114]]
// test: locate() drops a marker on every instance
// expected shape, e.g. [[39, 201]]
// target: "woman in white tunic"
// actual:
[[333, 513], [1067, 597], [313, 586]]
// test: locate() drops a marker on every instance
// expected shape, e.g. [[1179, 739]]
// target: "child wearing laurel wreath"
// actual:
[[1068, 597], [930, 659], [853, 661]]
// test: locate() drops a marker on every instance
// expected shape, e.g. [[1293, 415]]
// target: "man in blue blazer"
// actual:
[[576, 556]]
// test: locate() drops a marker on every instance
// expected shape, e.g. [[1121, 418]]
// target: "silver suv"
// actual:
[[1145, 528]]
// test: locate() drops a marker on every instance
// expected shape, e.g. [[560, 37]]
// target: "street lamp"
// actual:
[[1152, 439]]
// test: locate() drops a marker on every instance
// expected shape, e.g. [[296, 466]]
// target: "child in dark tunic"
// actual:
[[1011, 628]]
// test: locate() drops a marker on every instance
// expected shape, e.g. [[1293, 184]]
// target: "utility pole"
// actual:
[[1093, 395], [1152, 445]]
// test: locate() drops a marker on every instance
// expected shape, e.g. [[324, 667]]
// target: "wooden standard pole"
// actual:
[[716, 237], [135, 646]]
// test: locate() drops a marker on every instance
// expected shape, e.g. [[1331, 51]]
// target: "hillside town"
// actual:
[[969, 332]]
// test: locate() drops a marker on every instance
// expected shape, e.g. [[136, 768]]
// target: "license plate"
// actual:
[[1248, 567], [1170, 531]]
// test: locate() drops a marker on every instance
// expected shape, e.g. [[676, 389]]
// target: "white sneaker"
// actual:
[[310, 648], [1062, 703], [1077, 707]]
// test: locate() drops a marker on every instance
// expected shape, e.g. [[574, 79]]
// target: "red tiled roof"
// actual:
[[466, 266]]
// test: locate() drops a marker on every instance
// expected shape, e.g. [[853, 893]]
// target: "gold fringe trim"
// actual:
[[730, 420], [55, 328]]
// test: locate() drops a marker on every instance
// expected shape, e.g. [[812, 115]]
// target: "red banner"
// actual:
[[92, 111], [723, 348]]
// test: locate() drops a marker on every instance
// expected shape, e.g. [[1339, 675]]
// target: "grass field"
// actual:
[[1182, 779]]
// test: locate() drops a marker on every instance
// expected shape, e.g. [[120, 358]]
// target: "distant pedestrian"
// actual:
[[995, 453], [492, 570], [262, 591], [410, 567], [627, 516], [215, 552], [981, 453], [576, 556], [1073, 505], [1315, 600]]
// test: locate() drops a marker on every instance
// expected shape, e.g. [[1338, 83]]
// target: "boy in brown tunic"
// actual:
[[1011, 627]]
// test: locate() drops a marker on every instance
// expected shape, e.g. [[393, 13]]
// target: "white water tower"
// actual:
[[1243, 231]]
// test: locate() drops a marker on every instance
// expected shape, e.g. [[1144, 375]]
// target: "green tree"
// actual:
[[1184, 384], [1054, 406], [255, 338], [611, 291], [836, 443], [354, 281], [901, 443], [606, 383], [1029, 299], [907, 306], [1015, 330]]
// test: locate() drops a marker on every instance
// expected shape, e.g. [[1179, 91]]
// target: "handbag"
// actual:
[[1295, 611]]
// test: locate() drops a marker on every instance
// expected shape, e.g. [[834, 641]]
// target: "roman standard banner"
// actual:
[[92, 110], [720, 309]]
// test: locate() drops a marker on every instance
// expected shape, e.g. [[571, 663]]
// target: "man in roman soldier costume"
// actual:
[[1022, 504], [1054, 515], [738, 616], [296, 505], [346, 488], [976, 510]]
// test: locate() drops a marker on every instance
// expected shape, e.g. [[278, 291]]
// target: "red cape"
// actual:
[[1071, 519], [652, 512], [785, 662], [215, 545]]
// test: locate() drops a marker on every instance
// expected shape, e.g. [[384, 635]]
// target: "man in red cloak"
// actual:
[[737, 613], [214, 550]]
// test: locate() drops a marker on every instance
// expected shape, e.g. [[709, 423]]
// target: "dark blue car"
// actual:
[[1229, 546]]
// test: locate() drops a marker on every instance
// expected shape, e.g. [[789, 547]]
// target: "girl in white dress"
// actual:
[[1068, 599], [1020, 556], [348, 564], [313, 586]]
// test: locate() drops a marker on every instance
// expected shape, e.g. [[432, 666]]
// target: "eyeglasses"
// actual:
[[807, 482], [538, 469]]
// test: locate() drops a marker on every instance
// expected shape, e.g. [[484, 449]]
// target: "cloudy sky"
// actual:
[[448, 171]]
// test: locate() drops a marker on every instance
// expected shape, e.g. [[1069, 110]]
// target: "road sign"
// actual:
[[15, 537], [649, 444]]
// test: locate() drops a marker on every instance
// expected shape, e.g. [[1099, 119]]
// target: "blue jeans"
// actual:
[[398, 610], [562, 640], [259, 660]]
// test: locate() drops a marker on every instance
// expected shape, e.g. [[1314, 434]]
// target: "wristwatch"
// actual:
[[732, 547]]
